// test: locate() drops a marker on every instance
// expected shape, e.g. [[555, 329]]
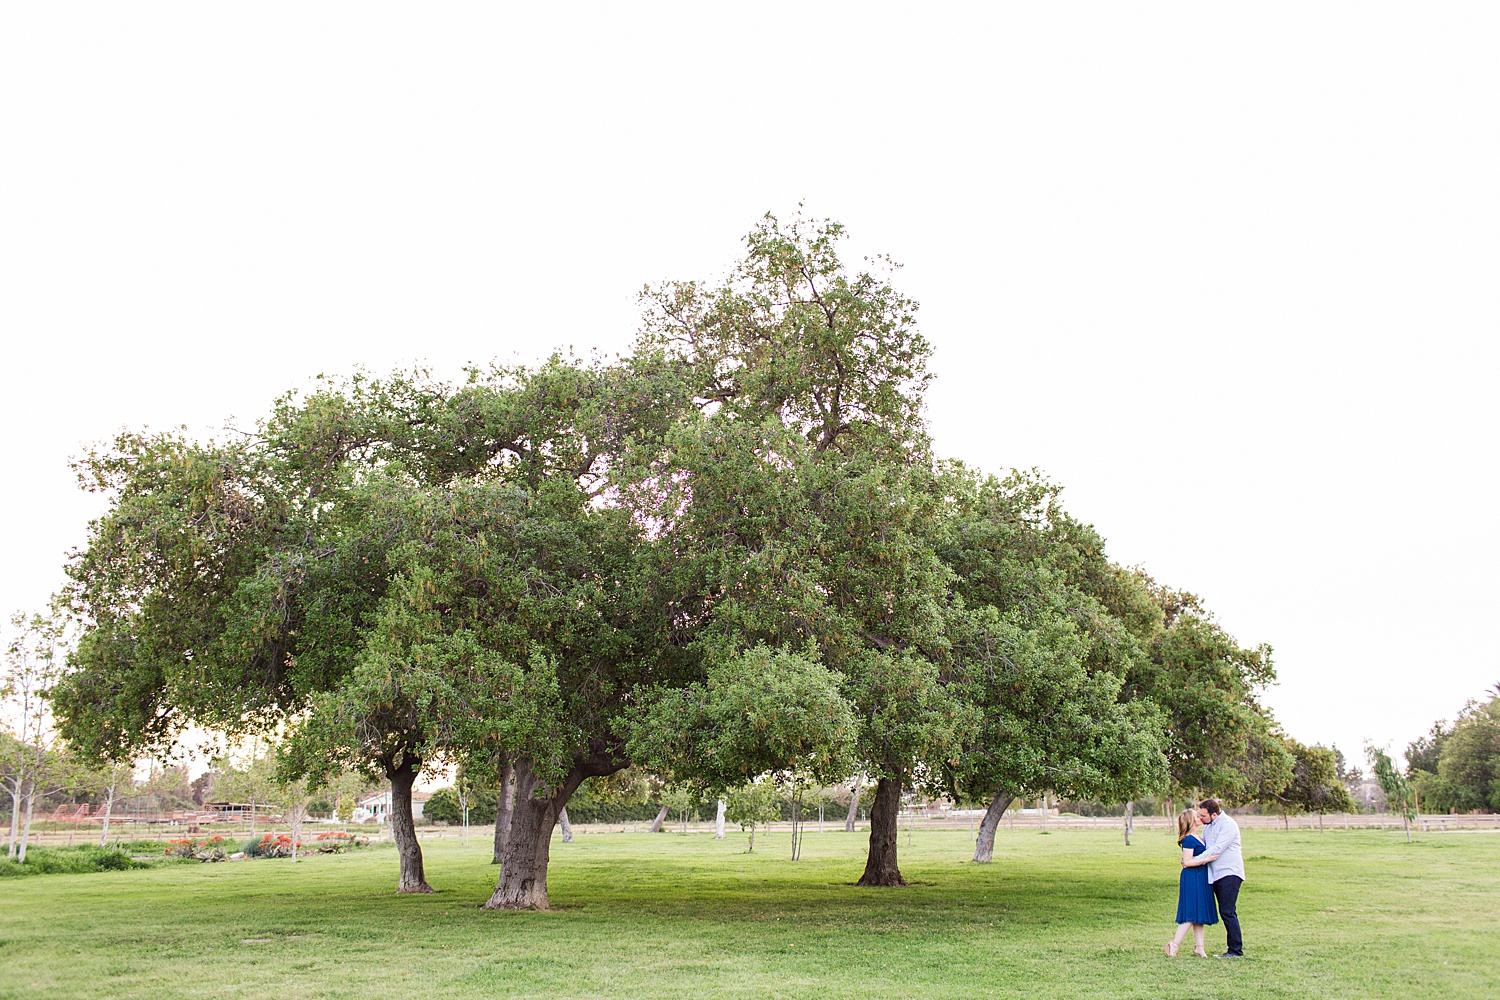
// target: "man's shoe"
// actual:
[[1231, 954]]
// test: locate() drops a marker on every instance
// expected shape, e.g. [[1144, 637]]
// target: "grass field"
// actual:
[[1077, 914]]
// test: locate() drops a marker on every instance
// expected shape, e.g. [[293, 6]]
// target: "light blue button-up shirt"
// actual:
[[1222, 837]]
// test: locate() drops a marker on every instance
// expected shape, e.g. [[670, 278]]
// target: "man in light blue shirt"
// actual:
[[1226, 869]]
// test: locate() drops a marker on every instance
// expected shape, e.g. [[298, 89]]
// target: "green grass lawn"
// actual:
[[1074, 914]]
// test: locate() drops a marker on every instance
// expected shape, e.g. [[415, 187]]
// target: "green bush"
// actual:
[[78, 860], [443, 807]]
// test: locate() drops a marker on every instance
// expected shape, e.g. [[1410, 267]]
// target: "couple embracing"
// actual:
[[1213, 868]]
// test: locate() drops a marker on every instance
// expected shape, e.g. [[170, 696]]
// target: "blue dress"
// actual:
[[1195, 900]]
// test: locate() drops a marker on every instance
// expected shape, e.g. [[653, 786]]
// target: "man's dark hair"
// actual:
[[1212, 805]]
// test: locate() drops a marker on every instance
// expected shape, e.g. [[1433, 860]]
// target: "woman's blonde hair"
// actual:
[[1185, 821]]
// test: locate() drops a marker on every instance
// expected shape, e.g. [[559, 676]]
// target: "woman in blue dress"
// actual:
[[1195, 900]]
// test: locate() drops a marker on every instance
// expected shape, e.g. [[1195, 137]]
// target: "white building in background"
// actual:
[[375, 807]]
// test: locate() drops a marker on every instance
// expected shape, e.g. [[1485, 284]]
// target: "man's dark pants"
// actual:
[[1227, 892]]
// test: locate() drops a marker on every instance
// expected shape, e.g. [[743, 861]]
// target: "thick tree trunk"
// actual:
[[719, 822], [523, 866], [404, 828], [1129, 821], [656, 823], [504, 808], [984, 846], [853, 805], [567, 828], [109, 808], [880, 866]]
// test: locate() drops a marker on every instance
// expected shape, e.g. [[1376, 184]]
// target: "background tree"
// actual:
[[1469, 764], [35, 759], [1315, 785], [801, 497], [1457, 765], [753, 804], [239, 586], [1043, 663], [1399, 794], [443, 805]]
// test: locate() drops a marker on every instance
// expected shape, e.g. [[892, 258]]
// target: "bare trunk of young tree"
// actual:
[[1129, 821], [881, 867], [109, 808], [567, 828], [984, 845], [523, 865], [504, 808], [853, 804], [294, 826], [719, 822], [31, 804], [15, 815], [797, 826], [656, 824], [404, 827]]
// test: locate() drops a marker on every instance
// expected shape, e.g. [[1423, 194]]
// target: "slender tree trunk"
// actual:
[[567, 828], [1129, 821], [523, 864], [853, 804], [15, 816], [661, 817], [31, 803], [109, 808], [984, 846], [752, 839], [796, 826], [880, 866], [719, 822], [294, 826], [504, 808], [404, 827]]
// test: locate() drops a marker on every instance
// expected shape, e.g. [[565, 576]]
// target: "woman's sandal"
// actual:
[[1200, 953], [1171, 949]]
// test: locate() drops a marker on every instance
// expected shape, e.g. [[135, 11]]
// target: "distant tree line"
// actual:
[[1456, 766]]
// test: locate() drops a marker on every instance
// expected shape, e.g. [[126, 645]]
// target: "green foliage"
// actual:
[[1399, 795], [1315, 784], [762, 710], [753, 805], [1470, 761], [443, 806], [77, 860], [1458, 766]]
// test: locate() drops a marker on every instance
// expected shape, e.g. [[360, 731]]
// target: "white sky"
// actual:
[[1229, 276]]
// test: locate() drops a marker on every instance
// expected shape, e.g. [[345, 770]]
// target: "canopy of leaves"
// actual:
[[761, 711]]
